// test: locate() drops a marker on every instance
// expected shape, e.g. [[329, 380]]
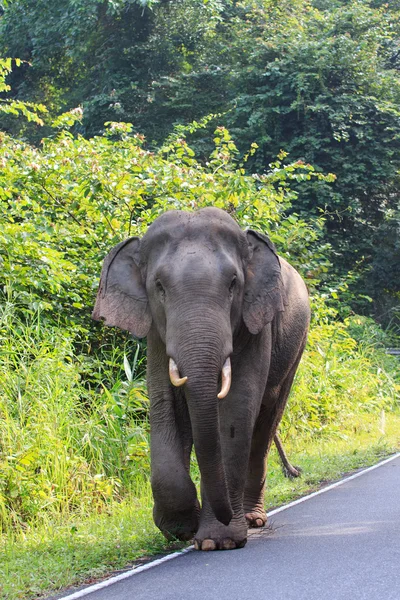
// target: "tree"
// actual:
[[105, 55], [319, 79]]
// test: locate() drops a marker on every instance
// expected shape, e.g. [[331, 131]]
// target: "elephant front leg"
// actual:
[[236, 418], [213, 535], [176, 508]]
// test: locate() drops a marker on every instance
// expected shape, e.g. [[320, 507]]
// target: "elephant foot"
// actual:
[[180, 525], [256, 518], [216, 536], [225, 544]]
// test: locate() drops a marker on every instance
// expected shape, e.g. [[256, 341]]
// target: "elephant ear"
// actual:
[[264, 294], [121, 299]]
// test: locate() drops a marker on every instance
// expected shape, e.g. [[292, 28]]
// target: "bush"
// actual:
[[64, 206], [63, 447], [344, 373], [73, 406]]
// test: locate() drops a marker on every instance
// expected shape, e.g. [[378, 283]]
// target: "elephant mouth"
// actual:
[[226, 377]]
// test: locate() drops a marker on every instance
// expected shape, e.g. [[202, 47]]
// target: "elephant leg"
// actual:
[[176, 508], [237, 415], [257, 471], [212, 534], [271, 411]]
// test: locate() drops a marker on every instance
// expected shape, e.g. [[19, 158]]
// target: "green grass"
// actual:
[[66, 446], [62, 553], [67, 551], [75, 502], [329, 459]]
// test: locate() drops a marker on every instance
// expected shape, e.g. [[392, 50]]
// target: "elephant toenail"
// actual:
[[196, 545], [259, 522], [228, 544], [208, 545]]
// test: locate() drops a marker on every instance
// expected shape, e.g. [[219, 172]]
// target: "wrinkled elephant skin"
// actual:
[[226, 321]]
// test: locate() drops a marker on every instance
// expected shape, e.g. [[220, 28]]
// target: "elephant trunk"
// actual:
[[204, 415], [200, 358]]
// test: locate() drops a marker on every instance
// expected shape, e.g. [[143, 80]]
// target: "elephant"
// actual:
[[226, 322]]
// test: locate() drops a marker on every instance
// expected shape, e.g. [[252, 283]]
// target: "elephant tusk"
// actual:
[[176, 380], [226, 378]]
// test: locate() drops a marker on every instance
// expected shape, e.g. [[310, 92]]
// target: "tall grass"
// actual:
[[65, 446], [344, 372], [74, 431]]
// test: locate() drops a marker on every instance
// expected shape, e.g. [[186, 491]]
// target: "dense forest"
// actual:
[[317, 79], [283, 113]]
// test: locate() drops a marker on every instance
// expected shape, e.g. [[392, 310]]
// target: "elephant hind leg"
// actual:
[[255, 485]]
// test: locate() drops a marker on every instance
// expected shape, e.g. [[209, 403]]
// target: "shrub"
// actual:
[[65, 205], [63, 447], [73, 406]]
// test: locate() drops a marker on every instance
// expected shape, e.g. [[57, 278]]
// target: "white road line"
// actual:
[[121, 576], [107, 582], [332, 486]]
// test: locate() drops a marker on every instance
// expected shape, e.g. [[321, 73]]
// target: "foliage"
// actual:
[[105, 54], [330, 89], [73, 426], [317, 78], [8, 106], [73, 429], [344, 372], [64, 206], [67, 448], [64, 448]]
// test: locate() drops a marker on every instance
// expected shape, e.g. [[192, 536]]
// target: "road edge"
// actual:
[[135, 570]]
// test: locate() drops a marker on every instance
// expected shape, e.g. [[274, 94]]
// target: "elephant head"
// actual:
[[197, 280]]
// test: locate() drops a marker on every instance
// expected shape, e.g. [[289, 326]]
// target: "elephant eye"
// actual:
[[232, 285], [160, 289]]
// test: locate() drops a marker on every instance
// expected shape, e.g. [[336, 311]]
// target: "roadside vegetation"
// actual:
[[75, 499], [318, 78]]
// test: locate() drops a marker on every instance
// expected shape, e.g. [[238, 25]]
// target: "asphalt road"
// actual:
[[341, 545]]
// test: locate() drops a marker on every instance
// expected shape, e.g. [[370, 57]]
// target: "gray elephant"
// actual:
[[226, 321]]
